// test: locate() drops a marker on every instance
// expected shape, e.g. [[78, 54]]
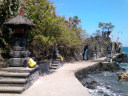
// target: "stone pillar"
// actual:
[[109, 54], [95, 53], [113, 48]]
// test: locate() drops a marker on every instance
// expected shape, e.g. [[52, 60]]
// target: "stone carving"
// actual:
[[18, 48], [20, 53], [18, 62], [20, 42]]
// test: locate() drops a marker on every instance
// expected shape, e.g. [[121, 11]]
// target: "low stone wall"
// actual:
[[101, 66], [44, 67], [34, 75]]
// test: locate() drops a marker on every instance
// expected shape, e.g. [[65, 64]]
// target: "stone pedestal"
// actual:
[[109, 53], [19, 54], [109, 56], [95, 55]]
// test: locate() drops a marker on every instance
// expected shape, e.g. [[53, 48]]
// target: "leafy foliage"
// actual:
[[74, 21], [106, 28], [8, 9], [51, 30]]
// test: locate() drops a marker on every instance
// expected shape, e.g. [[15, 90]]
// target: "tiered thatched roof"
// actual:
[[19, 20]]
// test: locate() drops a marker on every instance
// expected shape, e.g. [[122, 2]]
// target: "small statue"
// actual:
[[95, 48]]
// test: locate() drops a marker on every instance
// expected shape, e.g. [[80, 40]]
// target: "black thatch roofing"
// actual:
[[19, 21]]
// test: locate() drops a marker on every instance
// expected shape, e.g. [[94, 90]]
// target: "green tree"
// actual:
[[51, 30], [106, 28], [8, 9], [74, 21]]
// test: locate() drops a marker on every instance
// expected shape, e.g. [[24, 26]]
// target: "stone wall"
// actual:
[[44, 67], [34, 75]]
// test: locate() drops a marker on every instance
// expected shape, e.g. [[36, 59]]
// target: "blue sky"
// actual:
[[91, 12]]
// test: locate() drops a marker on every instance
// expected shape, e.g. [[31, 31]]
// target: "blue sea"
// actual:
[[108, 83], [125, 49]]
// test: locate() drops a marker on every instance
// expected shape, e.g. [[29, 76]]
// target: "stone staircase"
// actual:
[[17, 79], [55, 64]]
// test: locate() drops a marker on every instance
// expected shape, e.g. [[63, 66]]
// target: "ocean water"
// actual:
[[125, 49], [107, 83]]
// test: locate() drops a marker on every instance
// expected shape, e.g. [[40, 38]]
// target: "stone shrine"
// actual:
[[18, 76], [20, 25]]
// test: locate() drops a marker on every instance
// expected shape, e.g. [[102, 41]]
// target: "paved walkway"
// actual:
[[60, 83]]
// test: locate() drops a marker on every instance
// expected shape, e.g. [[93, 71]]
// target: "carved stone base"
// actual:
[[18, 62], [20, 54]]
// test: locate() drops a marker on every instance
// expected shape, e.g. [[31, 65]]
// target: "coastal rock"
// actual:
[[99, 67], [94, 83], [91, 85], [123, 76], [107, 87], [121, 58], [106, 95]]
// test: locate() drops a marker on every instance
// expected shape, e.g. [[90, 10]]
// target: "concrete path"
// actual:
[[60, 83]]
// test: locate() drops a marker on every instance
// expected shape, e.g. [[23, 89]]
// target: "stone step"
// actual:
[[54, 64], [18, 69], [11, 89], [52, 70], [53, 67], [11, 84], [12, 74], [12, 81]]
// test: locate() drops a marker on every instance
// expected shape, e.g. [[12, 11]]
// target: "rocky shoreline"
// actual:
[[103, 66], [99, 67], [91, 84], [121, 58]]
